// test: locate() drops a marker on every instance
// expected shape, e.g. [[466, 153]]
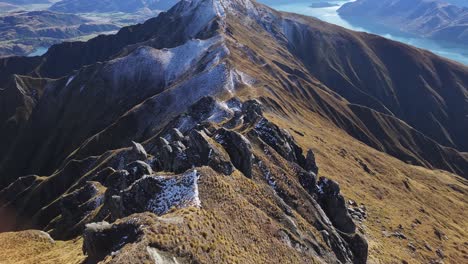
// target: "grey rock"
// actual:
[[175, 134], [280, 140], [158, 194], [100, 239], [139, 151], [334, 205], [239, 149], [310, 164]]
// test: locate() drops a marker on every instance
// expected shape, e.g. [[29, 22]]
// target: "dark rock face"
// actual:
[[239, 149], [359, 246], [281, 141], [158, 194], [100, 239], [308, 180], [310, 164], [196, 149], [334, 205]]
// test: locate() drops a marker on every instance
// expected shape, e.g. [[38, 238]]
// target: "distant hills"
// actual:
[[427, 18], [127, 6], [22, 32], [25, 2], [5, 7]]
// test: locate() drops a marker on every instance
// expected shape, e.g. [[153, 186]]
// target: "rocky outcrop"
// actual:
[[239, 149], [131, 181], [334, 205], [76, 209], [157, 194], [101, 239]]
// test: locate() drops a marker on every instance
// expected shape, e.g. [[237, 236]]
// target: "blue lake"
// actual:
[[38, 52], [329, 14]]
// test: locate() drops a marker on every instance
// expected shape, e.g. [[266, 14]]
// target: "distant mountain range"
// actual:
[[22, 32], [127, 6], [25, 2], [6, 7], [428, 18]]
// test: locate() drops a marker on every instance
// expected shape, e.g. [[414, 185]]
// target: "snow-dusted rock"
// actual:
[[158, 194], [139, 150]]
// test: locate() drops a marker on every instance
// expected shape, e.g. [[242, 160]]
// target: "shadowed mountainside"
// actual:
[[428, 131]]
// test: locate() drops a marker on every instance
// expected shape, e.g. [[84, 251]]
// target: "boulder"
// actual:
[[280, 140], [158, 194], [359, 246], [204, 151], [310, 164], [239, 149], [175, 134], [101, 239], [122, 179], [334, 205], [139, 151]]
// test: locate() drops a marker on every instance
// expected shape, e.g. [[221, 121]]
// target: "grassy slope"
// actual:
[[233, 214], [34, 247], [436, 198]]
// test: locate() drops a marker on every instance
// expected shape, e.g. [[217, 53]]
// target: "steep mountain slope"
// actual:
[[428, 18], [437, 120], [398, 75], [209, 88]]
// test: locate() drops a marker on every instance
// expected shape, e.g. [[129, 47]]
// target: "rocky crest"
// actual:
[[158, 176]]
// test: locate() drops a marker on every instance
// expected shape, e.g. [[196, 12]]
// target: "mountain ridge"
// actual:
[[213, 98], [360, 132]]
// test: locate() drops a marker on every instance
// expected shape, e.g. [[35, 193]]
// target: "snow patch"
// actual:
[[161, 257], [246, 79], [70, 79], [220, 113], [177, 191], [163, 66]]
